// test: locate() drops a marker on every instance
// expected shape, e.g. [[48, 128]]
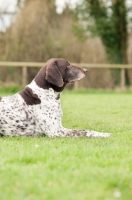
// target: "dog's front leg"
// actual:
[[84, 133]]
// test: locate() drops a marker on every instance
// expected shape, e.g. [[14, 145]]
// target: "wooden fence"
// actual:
[[25, 65]]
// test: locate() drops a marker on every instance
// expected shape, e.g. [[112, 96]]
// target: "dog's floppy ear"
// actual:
[[53, 74]]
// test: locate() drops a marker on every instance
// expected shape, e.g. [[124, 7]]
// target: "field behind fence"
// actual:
[[25, 65]]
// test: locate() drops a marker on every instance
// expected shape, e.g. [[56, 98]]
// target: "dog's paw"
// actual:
[[97, 134]]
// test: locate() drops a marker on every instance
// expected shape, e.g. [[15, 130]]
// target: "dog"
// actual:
[[36, 110]]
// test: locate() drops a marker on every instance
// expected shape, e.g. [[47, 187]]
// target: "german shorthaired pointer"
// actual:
[[36, 110]]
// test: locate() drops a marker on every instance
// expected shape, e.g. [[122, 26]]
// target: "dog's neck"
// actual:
[[41, 81], [31, 93]]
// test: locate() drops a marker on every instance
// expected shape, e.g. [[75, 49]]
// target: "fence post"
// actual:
[[24, 75], [122, 78], [76, 85]]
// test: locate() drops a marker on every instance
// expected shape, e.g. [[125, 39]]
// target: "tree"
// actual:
[[42, 34], [39, 33], [109, 21], [31, 33]]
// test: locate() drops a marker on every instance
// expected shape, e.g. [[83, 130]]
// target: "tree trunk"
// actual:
[[112, 31]]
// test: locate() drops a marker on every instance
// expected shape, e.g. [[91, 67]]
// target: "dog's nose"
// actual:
[[85, 70]]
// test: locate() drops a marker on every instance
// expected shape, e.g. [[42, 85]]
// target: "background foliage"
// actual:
[[38, 32]]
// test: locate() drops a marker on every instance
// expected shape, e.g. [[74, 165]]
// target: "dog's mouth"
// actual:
[[81, 76], [75, 74]]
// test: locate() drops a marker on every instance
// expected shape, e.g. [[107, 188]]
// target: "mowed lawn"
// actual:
[[74, 168]]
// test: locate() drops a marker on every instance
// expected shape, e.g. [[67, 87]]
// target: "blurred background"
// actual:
[[81, 31]]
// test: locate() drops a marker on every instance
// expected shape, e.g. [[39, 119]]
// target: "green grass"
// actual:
[[9, 90], [74, 168]]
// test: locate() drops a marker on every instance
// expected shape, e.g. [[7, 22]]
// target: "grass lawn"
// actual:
[[74, 168]]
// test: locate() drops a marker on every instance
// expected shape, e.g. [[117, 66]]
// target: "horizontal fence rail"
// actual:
[[25, 65]]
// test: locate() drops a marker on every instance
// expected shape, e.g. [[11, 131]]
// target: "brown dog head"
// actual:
[[60, 72], [57, 73]]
